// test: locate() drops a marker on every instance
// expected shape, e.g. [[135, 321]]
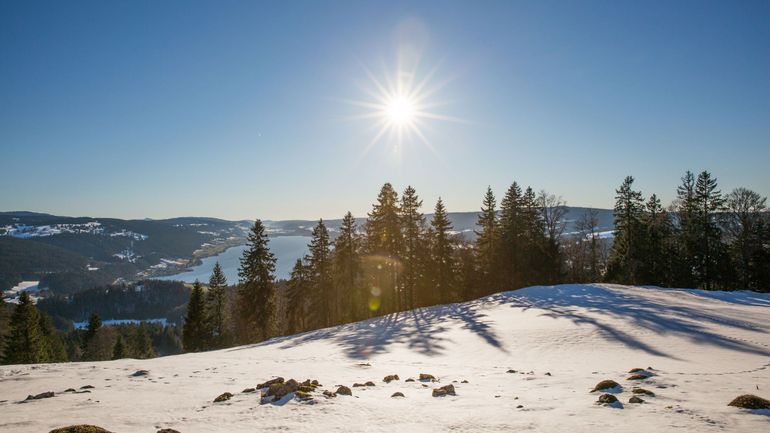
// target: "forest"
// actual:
[[399, 260]]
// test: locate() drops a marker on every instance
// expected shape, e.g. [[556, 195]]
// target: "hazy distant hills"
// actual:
[[69, 254]]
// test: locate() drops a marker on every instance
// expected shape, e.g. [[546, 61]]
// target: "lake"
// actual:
[[287, 249]]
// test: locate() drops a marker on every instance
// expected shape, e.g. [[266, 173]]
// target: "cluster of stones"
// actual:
[[637, 374], [276, 389]]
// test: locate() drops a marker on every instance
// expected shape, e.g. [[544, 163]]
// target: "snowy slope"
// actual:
[[705, 349]]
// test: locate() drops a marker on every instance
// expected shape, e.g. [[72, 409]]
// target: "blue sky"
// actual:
[[240, 109]]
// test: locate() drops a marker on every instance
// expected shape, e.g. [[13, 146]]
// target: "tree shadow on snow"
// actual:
[[606, 306], [421, 330]]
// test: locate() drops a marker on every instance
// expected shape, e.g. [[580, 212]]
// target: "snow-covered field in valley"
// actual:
[[703, 350]]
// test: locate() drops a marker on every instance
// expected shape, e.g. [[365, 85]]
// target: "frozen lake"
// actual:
[[287, 249]]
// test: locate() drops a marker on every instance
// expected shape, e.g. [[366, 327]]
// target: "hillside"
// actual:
[[702, 349]]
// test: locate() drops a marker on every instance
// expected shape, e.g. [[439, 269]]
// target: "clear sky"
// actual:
[[242, 109]]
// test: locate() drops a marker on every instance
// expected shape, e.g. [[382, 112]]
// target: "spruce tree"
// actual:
[[347, 269], [512, 231], [194, 335], [442, 257], [256, 288], [94, 324], [657, 230], [686, 233], [487, 243], [413, 228], [119, 349], [383, 246], [320, 268], [142, 344], [297, 298], [626, 255], [711, 254], [24, 344], [216, 305], [52, 340]]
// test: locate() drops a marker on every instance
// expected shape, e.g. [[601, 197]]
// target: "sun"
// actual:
[[401, 103], [401, 110]]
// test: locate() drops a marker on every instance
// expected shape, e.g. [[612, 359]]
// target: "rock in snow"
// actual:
[[707, 348]]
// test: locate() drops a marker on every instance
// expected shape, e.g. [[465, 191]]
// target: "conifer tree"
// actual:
[[413, 227], [708, 201], [119, 349], [216, 306], [24, 344], [297, 298], [194, 333], [347, 269], [533, 240], [320, 268], [512, 231], [626, 254], [142, 344], [443, 270], [686, 233], [656, 226], [383, 245], [52, 341], [487, 243], [256, 289]]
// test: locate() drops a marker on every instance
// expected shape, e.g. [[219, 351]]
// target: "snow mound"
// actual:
[[521, 360]]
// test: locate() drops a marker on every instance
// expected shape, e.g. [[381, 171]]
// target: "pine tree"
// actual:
[[320, 271], [142, 344], [297, 298], [216, 307], [119, 350], [442, 254], [626, 254], [94, 324], [487, 243], [347, 269], [656, 227], [711, 253], [413, 227], [383, 245], [534, 259], [194, 334], [512, 231], [256, 289], [24, 344], [686, 233], [52, 341]]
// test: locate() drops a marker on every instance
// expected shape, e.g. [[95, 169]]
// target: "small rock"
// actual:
[[358, 385], [303, 396], [315, 383], [223, 397], [70, 390], [344, 390], [47, 394], [369, 383], [607, 399], [409, 380], [464, 381], [140, 373], [637, 377], [397, 394], [248, 390], [519, 407], [749, 401], [427, 377], [168, 430], [635, 399], [391, 377], [444, 390], [280, 390], [87, 387], [635, 370], [270, 382], [547, 373], [82, 428], [605, 384], [643, 391], [511, 371], [329, 394]]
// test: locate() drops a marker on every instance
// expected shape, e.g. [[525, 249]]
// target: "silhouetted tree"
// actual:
[[216, 306], [195, 334], [256, 291]]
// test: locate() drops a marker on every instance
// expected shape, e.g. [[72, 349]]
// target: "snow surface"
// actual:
[[705, 348], [11, 295]]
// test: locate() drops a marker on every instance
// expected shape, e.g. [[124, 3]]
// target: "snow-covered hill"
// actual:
[[704, 349]]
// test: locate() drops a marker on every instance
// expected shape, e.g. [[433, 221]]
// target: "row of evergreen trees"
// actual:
[[399, 260], [30, 338], [705, 239]]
